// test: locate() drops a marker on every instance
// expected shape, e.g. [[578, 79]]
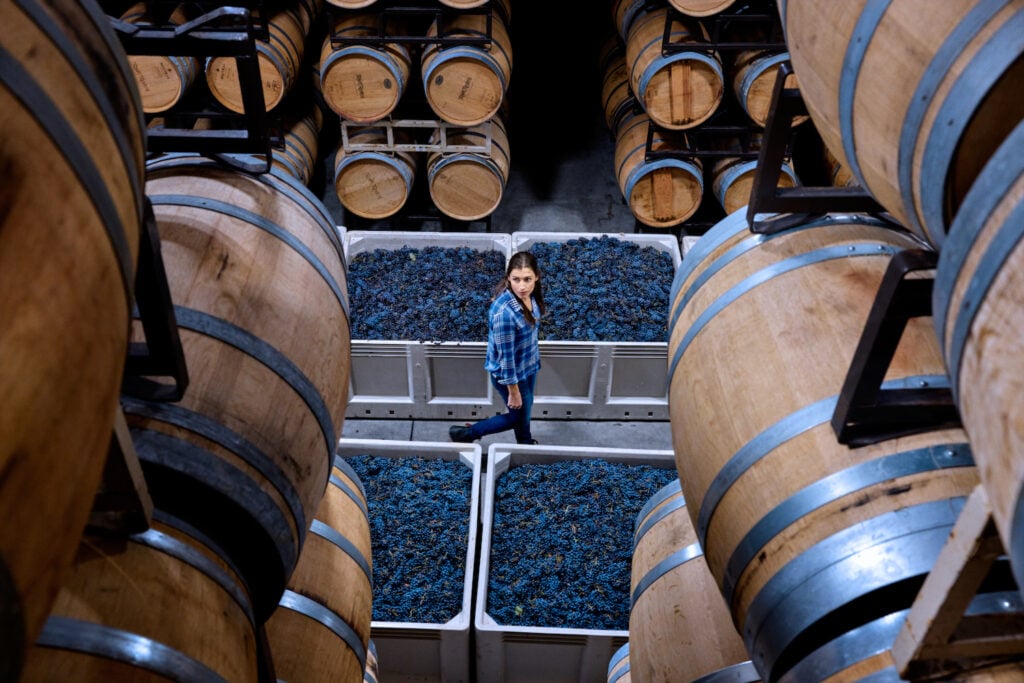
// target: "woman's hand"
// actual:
[[515, 399]]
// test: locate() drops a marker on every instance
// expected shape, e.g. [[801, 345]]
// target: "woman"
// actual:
[[513, 351]]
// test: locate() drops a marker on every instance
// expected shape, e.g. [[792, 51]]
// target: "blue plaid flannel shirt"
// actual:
[[513, 352]]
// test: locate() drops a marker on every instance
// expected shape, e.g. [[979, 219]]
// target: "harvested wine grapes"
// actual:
[[562, 542], [418, 509], [604, 289], [431, 293]]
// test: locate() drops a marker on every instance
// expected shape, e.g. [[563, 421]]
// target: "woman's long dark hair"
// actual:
[[524, 259]]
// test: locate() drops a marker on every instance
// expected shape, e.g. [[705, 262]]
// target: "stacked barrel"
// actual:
[[255, 543], [819, 549], [239, 469], [942, 160], [686, 103], [376, 64], [73, 156], [210, 95], [280, 56], [679, 626]]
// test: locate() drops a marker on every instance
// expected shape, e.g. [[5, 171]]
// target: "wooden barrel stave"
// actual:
[[279, 57], [680, 628], [469, 186], [733, 181], [976, 305], [374, 184], [680, 90], [184, 612], [618, 666], [663, 192], [362, 83], [321, 628], [162, 80], [701, 8], [753, 459], [301, 153], [616, 96], [257, 275], [753, 82], [465, 84], [913, 108], [72, 154]]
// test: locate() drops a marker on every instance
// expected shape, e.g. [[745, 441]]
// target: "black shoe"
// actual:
[[531, 442], [460, 434]]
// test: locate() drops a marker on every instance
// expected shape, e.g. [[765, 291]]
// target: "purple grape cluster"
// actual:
[[605, 289], [432, 293], [562, 542], [418, 510]]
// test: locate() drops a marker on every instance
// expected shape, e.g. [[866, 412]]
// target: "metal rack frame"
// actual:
[[798, 203], [219, 32], [390, 125], [161, 354], [864, 412]]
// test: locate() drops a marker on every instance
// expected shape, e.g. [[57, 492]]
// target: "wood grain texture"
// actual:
[[969, 67], [233, 246], [679, 627], [754, 360], [466, 84], [72, 159], [155, 593], [305, 649], [363, 83], [680, 91], [469, 185], [659, 195]]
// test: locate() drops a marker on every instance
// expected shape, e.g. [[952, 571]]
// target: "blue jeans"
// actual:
[[517, 419]]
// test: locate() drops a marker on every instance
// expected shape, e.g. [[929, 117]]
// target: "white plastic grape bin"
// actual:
[[607, 380], [404, 379], [412, 652], [526, 654]]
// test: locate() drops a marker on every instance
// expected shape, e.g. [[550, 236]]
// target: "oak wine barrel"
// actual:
[[257, 276], [362, 83], [162, 80], [164, 604], [616, 97], [661, 192], [618, 666], [804, 535], [913, 108], [679, 626], [469, 185], [72, 151], [976, 305], [733, 181], [753, 82], [372, 671], [701, 8], [321, 627], [681, 89], [280, 58], [465, 83], [374, 183]]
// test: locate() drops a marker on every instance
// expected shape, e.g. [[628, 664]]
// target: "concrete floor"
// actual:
[[655, 435]]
